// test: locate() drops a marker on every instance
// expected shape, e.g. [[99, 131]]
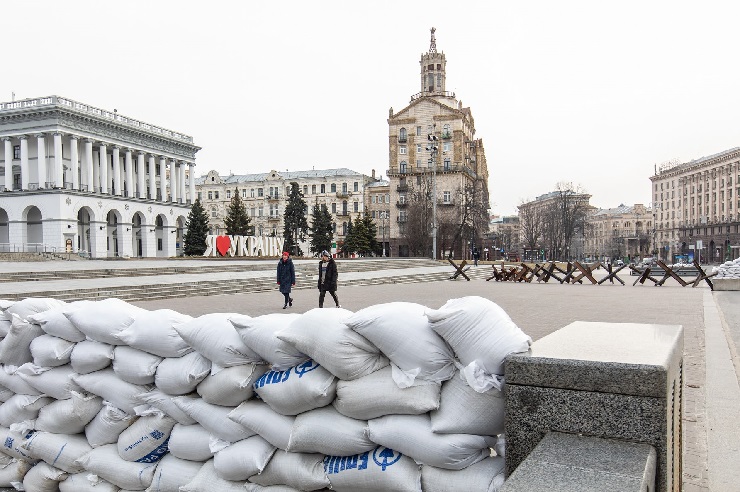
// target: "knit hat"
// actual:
[[325, 253], [286, 253]]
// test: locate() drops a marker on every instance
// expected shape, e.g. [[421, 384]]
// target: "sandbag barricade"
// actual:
[[103, 395]]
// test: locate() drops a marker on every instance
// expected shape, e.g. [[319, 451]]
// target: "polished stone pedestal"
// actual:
[[610, 380]]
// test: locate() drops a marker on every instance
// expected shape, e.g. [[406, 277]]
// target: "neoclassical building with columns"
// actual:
[[78, 178]]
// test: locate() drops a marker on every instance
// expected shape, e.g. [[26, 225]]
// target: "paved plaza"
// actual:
[[711, 321]]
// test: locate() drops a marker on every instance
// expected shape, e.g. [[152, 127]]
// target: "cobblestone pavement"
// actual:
[[539, 309]]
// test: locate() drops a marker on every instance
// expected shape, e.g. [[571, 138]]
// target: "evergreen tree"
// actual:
[[361, 237], [296, 224], [350, 241], [322, 229], [197, 226], [237, 221], [371, 232]]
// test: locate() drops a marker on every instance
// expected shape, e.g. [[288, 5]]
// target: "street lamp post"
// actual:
[[433, 148], [383, 217]]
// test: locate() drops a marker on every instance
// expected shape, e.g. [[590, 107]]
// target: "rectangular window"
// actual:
[[402, 150], [16, 151], [305, 189], [333, 187], [244, 193], [418, 131], [446, 197], [323, 188], [374, 199], [447, 146], [333, 208], [251, 192], [418, 148], [356, 207], [200, 195], [261, 211], [215, 195], [313, 189], [388, 198], [260, 192], [210, 195], [356, 186], [228, 194]]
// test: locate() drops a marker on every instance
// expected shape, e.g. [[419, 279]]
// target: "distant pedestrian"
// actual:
[[286, 277], [476, 256], [327, 278]]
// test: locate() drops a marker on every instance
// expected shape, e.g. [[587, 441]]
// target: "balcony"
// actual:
[[343, 194], [446, 135], [342, 213], [273, 197], [402, 219], [273, 217], [402, 187], [447, 203], [399, 170], [402, 139], [402, 204]]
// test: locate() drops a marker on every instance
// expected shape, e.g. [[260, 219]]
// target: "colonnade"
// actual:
[[95, 166]]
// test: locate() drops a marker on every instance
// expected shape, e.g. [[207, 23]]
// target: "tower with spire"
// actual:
[[433, 66]]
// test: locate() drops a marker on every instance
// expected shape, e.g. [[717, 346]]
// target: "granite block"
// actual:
[[570, 462], [624, 358], [725, 284]]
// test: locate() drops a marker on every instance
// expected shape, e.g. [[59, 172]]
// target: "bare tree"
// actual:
[[531, 225]]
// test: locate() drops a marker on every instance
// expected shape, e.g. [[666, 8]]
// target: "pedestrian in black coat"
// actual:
[[286, 277], [327, 278]]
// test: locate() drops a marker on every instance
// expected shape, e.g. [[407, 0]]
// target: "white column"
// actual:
[[41, 159], [24, 162], [58, 178], [103, 168], [174, 168], [89, 168], [163, 177], [181, 179], [191, 165], [75, 161], [129, 174], [116, 170], [8, 164], [140, 175], [152, 178]]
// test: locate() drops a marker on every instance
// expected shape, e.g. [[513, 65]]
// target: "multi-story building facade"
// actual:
[[454, 177], [378, 205], [77, 178], [624, 232], [551, 226], [504, 234], [265, 194], [696, 205]]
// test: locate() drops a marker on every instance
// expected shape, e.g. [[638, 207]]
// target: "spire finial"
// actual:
[[433, 42]]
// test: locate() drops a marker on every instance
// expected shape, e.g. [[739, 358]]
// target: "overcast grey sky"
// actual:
[[594, 93]]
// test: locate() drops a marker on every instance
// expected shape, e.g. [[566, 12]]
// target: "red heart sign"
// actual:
[[223, 243]]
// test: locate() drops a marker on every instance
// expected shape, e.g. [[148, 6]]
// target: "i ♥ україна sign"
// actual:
[[243, 246]]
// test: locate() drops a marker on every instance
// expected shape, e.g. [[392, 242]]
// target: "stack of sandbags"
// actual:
[[728, 269], [399, 397]]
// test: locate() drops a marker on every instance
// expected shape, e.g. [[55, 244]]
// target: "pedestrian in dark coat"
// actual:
[[286, 277], [327, 278]]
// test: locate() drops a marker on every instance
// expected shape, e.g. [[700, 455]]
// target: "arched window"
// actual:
[[402, 166], [447, 164], [446, 131]]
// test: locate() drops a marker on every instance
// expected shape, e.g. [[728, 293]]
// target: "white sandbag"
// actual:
[[402, 332], [5, 325], [51, 351], [163, 402], [90, 356], [327, 431], [32, 305], [43, 478], [301, 471], [322, 335], [15, 348], [5, 393], [377, 394], [463, 410], [11, 440], [107, 425], [135, 366], [22, 407], [111, 388], [214, 418], [231, 386], [214, 337], [412, 435], [258, 417], [105, 462], [55, 382], [253, 487], [69, 416], [154, 332], [259, 335], [180, 375], [480, 333], [500, 446], [10, 379], [172, 473], [145, 441], [55, 323], [86, 482], [103, 320], [190, 442], [297, 390], [379, 469], [207, 480], [59, 450], [12, 470], [484, 476], [241, 460]]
